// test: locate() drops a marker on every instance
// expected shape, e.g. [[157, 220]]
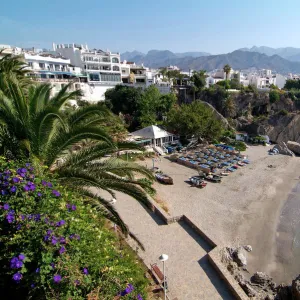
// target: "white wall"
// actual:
[[94, 93], [280, 81]]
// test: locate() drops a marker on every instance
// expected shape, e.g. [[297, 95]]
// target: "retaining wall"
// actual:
[[213, 255]]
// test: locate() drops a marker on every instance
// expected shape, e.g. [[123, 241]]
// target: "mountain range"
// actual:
[[282, 60], [289, 53]]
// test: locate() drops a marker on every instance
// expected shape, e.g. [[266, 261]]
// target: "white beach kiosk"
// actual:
[[155, 136]]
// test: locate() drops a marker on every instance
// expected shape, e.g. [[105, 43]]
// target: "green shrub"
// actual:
[[239, 145], [53, 246], [274, 96], [283, 112]]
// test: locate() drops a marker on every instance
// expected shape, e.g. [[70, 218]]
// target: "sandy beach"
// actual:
[[249, 207]]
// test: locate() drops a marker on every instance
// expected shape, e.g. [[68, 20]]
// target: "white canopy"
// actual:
[[151, 132]]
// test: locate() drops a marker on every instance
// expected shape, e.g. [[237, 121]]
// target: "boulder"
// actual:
[[239, 256], [283, 149], [296, 288], [284, 292], [294, 146], [248, 248], [263, 280]]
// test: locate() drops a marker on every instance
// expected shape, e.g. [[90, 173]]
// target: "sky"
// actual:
[[214, 26]]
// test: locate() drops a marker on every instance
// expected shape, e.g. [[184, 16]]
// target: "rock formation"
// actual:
[[294, 146], [283, 149], [296, 288], [218, 115], [260, 286]]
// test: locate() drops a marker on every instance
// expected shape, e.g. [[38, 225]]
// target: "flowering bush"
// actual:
[[53, 246]]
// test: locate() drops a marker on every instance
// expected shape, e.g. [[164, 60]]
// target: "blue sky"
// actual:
[[215, 26]]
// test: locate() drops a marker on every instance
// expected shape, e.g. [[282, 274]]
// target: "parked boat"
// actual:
[[212, 177], [225, 173], [163, 178], [197, 181]]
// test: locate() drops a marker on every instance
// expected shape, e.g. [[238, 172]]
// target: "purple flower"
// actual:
[[26, 188], [85, 271], [49, 231], [62, 250], [27, 165], [62, 240], [46, 220], [52, 265], [60, 223], [54, 240], [56, 193], [139, 297], [77, 282], [10, 216], [49, 184], [17, 277], [39, 194], [46, 237], [73, 207], [68, 206], [19, 264], [19, 226], [4, 192], [37, 217], [29, 217], [16, 179], [128, 290], [23, 217], [44, 183], [6, 206], [13, 262], [13, 189], [57, 278], [32, 285], [37, 270], [7, 172]]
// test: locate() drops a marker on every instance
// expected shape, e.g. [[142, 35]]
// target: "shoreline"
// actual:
[[244, 209]]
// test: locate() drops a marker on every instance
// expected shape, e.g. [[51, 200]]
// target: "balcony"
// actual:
[[56, 80]]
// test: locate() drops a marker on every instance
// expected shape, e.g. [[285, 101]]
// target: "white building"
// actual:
[[155, 136], [8, 49], [102, 68]]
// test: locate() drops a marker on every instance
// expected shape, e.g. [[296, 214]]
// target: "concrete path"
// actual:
[[189, 274]]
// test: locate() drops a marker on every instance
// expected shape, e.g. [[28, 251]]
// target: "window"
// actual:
[[105, 59], [57, 67], [110, 77], [42, 66], [116, 68], [77, 86], [94, 77], [51, 66], [43, 76], [115, 60], [30, 64], [123, 71]]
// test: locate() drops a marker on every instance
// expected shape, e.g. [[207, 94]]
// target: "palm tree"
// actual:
[[34, 125], [163, 72], [180, 78], [227, 70]]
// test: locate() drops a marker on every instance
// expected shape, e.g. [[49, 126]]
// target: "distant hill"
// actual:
[[157, 56], [290, 53], [239, 60]]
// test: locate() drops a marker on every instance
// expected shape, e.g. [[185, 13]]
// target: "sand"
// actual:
[[248, 207]]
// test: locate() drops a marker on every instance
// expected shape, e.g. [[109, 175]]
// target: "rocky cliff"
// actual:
[[255, 114]]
